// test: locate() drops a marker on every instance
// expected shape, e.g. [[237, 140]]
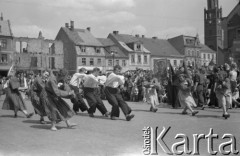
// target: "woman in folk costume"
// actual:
[[150, 94], [59, 109], [23, 84], [14, 100], [38, 96], [184, 95], [223, 92]]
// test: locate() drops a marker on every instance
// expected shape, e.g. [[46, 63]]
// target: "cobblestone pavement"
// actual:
[[104, 137]]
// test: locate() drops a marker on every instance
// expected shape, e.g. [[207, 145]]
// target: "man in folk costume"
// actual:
[[92, 94], [185, 96], [14, 100], [76, 80], [199, 84], [114, 97]]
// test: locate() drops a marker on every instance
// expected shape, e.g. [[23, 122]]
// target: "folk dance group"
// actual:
[[46, 94], [46, 97]]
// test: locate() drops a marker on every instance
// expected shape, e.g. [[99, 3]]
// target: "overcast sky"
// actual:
[[161, 18]]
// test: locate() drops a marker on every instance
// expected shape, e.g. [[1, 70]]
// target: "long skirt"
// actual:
[[186, 99], [59, 109], [38, 104], [13, 101]]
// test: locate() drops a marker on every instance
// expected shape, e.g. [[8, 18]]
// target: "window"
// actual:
[[97, 50], [50, 47], [145, 60], [3, 44], [84, 61], [181, 62], [213, 56], [117, 62], [204, 56], [138, 47], [51, 63], [34, 62], [210, 32], [0, 28], [109, 62], [99, 61], [91, 61], [238, 33], [4, 58], [83, 49], [139, 59], [123, 63], [175, 62], [132, 59], [208, 56]]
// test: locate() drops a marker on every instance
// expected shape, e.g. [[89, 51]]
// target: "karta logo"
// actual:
[[153, 140]]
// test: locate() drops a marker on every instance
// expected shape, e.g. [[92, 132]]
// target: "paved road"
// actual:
[[104, 137]]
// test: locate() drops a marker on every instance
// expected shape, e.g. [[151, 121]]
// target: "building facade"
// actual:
[[81, 48], [113, 55], [133, 48], [207, 55], [6, 46], [188, 46], [38, 54], [162, 51]]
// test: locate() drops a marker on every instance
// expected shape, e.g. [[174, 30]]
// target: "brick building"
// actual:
[[132, 46], [81, 48], [37, 54], [6, 46]]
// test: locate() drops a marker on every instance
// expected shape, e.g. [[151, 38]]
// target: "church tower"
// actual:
[[212, 25]]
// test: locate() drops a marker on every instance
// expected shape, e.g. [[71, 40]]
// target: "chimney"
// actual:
[[67, 25], [72, 25], [115, 32], [1, 18], [137, 35], [154, 37], [89, 29], [143, 36]]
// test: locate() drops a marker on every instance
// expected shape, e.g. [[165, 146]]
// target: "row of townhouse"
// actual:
[[82, 49], [74, 48]]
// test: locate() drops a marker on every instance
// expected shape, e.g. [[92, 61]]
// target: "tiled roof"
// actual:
[[159, 47], [206, 49], [5, 28], [82, 37], [110, 46], [106, 41], [126, 38]]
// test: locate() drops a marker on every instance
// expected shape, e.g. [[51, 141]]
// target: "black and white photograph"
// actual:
[[119, 77]]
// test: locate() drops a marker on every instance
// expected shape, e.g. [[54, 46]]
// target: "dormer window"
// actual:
[[83, 49], [98, 50], [138, 47]]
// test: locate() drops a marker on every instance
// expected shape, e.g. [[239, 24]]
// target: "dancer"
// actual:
[[223, 92], [78, 102], [59, 109], [92, 94], [14, 100], [185, 97], [150, 94], [114, 96], [38, 96]]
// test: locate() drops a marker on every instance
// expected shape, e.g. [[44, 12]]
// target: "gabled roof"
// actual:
[[126, 38], [233, 12], [110, 46], [178, 43], [82, 37], [160, 47], [206, 49], [5, 28]]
